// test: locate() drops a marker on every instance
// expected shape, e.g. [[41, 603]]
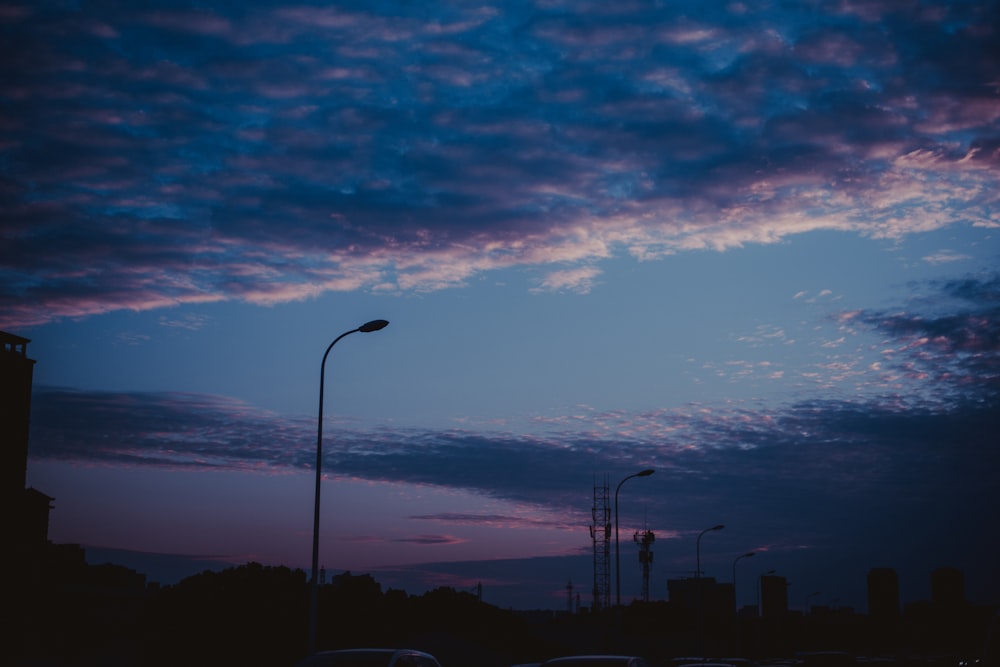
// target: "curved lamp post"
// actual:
[[618, 571], [809, 597], [697, 581], [374, 325], [697, 545], [748, 554]]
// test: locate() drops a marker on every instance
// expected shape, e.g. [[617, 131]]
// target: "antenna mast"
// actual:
[[645, 541], [600, 533]]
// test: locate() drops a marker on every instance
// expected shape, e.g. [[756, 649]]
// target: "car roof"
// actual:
[[366, 657], [593, 656], [595, 659]]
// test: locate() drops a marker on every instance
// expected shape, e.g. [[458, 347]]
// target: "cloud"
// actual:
[[189, 321], [492, 520], [811, 450], [575, 280], [957, 348], [945, 256], [156, 156], [430, 539], [185, 431]]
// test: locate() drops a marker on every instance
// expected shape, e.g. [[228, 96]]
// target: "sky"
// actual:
[[752, 246]]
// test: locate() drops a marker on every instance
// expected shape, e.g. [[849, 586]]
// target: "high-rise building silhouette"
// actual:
[[947, 588], [25, 511], [773, 596], [773, 614], [884, 617], [715, 598], [16, 373], [883, 595]]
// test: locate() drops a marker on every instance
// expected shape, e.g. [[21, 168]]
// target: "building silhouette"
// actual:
[[46, 583], [883, 609], [774, 622], [773, 597], [948, 588], [25, 510], [716, 597], [16, 373], [883, 595]]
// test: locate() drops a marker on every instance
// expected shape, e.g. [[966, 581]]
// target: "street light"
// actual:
[[618, 571], [698, 547], [748, 554], [697, 581], [374, 325], [809, 597]]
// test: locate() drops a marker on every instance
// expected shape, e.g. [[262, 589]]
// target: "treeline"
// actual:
[[255, 615]]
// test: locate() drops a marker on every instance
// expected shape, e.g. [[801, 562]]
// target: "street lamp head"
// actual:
[[749, 553], [374, 325], [719, 527], [645, 473]]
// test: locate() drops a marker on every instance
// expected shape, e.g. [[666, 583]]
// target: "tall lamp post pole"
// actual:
[[748, 554], [374, 325], [618, 570], [698, 583]]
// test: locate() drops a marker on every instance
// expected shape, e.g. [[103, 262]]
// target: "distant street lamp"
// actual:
[[374, 325], [748, 554], [618, 571], [809, 597], [698, 583], [698, 546]]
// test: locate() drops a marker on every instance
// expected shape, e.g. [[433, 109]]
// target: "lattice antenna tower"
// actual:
[[645, 539], [600, 533]]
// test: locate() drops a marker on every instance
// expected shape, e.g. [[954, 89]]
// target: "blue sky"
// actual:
[[752, 246]]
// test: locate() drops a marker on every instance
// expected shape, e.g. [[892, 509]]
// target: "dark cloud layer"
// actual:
[[168, 153], [954, 347]]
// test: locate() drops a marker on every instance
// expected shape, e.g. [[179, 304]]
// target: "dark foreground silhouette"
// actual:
[[257, 615]]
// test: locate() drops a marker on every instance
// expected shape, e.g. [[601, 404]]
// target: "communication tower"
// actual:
[[600, 533], [645, 539]]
